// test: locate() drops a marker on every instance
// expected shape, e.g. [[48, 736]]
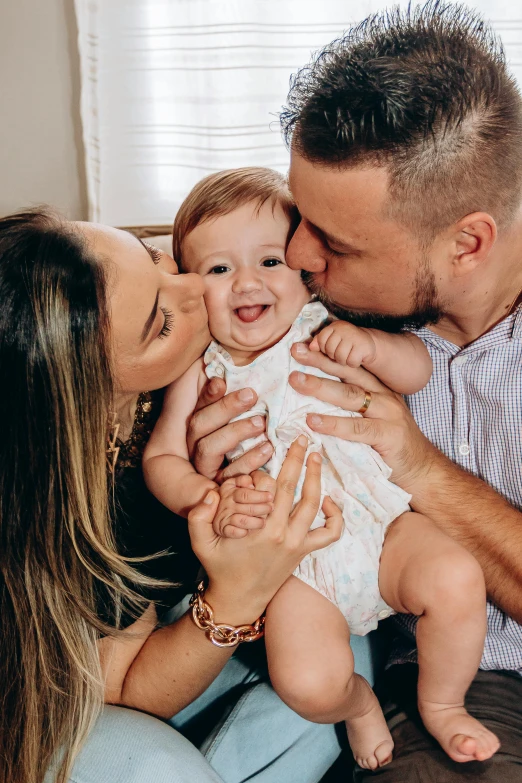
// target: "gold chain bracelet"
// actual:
[[222, 635]]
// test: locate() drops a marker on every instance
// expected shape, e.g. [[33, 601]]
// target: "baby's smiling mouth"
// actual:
[[250, 313]]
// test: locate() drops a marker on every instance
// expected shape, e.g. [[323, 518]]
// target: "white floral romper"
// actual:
[[353, 474]]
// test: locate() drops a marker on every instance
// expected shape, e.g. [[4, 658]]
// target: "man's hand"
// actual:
[[387, 425], [242, 507], [210, 434]]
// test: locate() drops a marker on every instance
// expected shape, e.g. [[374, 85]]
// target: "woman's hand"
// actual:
[[210, 434], [241, 507], [245, 574], [387, 424]]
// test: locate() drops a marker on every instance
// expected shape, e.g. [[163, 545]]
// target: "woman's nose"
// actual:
[[305, 250], [246, 281], [189, 289], [168, 264]]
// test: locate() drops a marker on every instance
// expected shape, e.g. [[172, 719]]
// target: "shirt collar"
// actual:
[[509, 328]]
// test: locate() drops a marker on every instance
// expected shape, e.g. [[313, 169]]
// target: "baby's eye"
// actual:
[[218, 270], [271, 262]]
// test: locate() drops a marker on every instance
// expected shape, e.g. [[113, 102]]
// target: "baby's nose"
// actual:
[[246, 282]]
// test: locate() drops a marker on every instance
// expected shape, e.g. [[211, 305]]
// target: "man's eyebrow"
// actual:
[[150, 320]]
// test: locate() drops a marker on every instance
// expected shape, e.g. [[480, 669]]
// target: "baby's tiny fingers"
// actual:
[[254, 509], [252, 495], [246, 522], [230, 531], [244, 481], [263, 482]]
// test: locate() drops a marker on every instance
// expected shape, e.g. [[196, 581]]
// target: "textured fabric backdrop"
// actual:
[[175, 89]]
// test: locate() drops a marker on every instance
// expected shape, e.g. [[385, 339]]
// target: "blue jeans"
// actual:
[[238, 730]]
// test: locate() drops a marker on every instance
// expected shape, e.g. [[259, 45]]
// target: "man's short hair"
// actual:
[[426, 94], [223, 192]]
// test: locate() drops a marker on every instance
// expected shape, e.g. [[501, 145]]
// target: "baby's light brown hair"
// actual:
[[223, 192]]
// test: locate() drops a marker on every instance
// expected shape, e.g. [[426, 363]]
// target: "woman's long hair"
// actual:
[[56, 546]]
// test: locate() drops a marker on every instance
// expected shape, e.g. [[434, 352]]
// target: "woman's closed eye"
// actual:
[[167, 322], [154, 252]]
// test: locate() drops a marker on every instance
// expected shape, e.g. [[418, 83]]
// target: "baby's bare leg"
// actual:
[[426, 573], [311, 668]]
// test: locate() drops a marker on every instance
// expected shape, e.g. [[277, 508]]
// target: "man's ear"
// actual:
[[474, 236]]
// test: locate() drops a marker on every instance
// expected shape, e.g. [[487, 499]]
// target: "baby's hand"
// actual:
[[241, 508], [345, 344]]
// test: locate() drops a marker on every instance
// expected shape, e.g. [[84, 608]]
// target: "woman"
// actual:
[[90, 319]]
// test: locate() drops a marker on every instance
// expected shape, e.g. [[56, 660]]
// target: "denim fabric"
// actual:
[[255, 737], [237, 731]]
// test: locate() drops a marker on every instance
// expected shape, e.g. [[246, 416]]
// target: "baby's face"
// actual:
[[252, 296]]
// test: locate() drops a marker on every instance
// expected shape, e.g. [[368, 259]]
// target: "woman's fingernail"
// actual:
[[301, 349], [315, 420], [300, 377], [208, 499], [257, 421], [315, 457], [246, 395], [302, 440], [266, 449]]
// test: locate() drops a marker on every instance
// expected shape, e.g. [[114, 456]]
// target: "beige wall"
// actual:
[[41, 156]]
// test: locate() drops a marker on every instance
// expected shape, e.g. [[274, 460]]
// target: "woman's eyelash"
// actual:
[[154, 252], [167, 323]]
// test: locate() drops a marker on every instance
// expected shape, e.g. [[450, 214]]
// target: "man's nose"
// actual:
[[246, 281], [304, 251]]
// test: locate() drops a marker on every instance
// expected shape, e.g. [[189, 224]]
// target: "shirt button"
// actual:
[[307, 313], [220, 371], [383, 614], [464, 449]]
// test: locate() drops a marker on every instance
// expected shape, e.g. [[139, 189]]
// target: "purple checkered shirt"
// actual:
[[472, 411]]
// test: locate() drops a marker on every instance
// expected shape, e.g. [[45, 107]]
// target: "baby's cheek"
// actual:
[[218, 313]]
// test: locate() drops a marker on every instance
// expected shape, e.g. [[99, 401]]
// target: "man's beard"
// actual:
[[426, 309]]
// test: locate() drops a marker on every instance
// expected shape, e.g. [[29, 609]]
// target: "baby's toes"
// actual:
[[487, 744], [463, 745], [384, 753], [369, 762]]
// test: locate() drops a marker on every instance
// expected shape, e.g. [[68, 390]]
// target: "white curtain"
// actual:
[[175, 89]]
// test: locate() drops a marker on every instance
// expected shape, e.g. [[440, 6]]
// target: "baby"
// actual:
[[233, 230]]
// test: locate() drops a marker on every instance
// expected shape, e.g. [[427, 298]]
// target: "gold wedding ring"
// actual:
[[366, 404]]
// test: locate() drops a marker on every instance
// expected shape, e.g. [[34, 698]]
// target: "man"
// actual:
[[406, 141]]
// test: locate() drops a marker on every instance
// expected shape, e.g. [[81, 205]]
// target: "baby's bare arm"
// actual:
[[401, 361], [168, 472]]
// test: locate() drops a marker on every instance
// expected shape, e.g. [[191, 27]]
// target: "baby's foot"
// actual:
[[461, 736], [369, 738]]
